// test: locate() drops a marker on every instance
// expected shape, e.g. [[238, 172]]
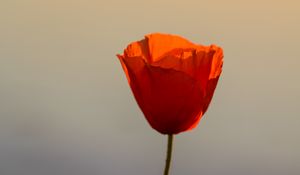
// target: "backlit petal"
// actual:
[[170, 100]]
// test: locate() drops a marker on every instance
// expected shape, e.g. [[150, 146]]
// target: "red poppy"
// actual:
[[172, 79]]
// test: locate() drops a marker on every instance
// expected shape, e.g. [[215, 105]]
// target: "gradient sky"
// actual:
[[66, 107]]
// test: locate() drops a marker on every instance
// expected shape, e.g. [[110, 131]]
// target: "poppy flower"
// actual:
[[173, 80]]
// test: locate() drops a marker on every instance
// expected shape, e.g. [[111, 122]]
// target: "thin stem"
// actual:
[[169, 154]]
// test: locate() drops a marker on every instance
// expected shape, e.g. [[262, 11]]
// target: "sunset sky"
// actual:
[[66, 107]]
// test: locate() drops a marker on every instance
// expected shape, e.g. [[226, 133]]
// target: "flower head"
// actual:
[[172, 79]]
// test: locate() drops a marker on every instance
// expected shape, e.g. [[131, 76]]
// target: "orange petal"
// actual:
[[160, 44], [137, 49], [202, 63], [217, 63]]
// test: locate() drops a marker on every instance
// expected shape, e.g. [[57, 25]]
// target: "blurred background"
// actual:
[[66, 107]]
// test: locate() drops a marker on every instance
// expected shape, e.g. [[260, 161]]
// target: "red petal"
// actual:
[[170, 100], [211, 86]]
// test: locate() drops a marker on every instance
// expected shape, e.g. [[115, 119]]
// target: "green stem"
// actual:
[[169, 154]]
